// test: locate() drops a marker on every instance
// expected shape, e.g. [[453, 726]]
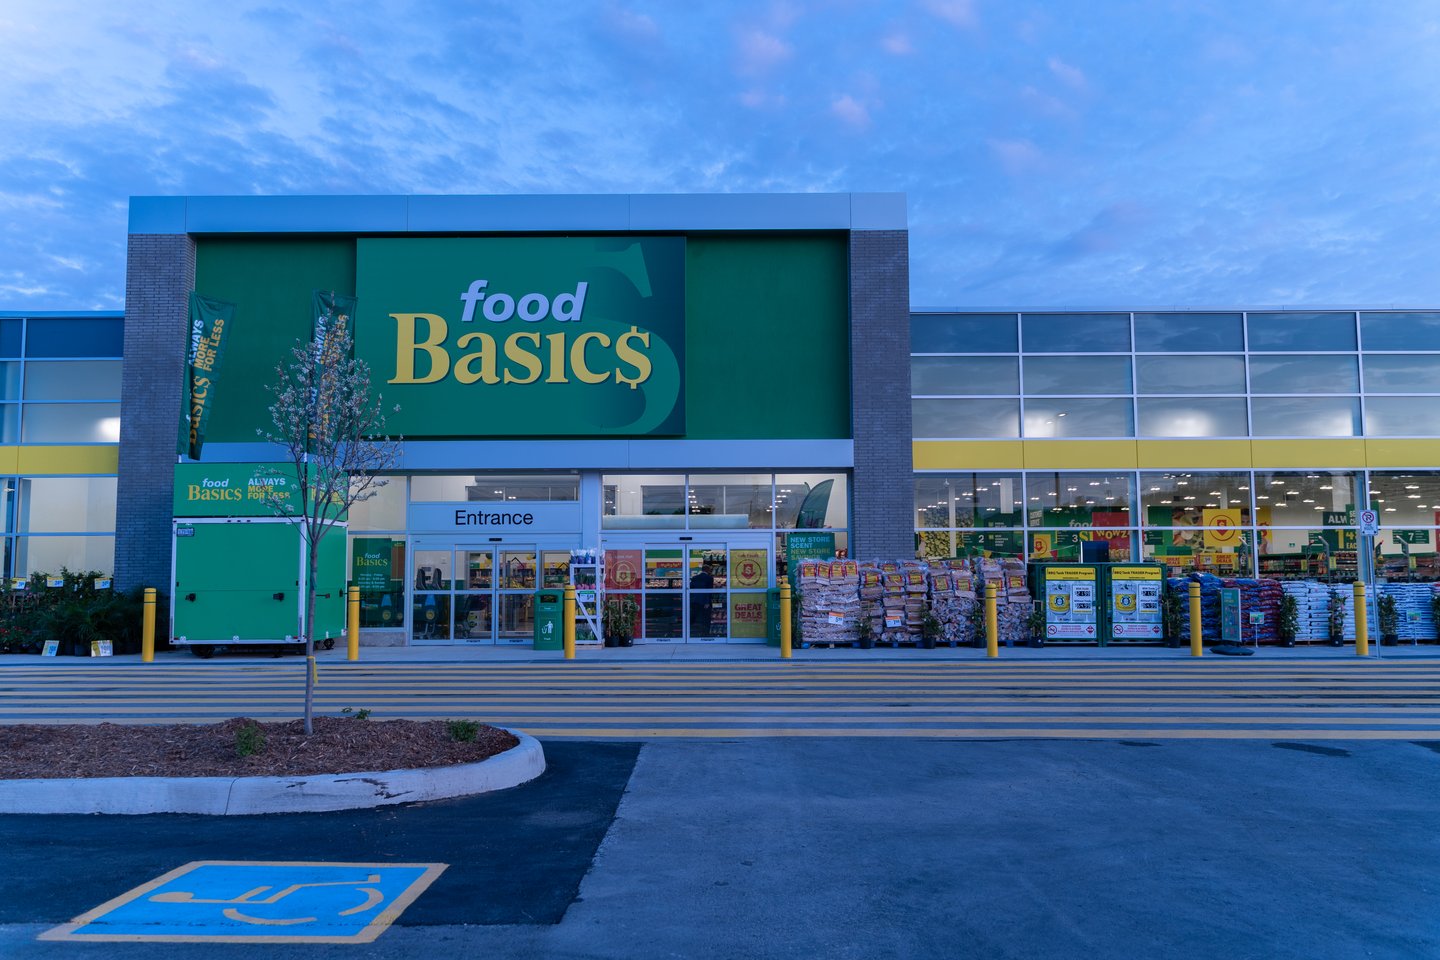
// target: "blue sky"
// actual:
[[1070, 152]]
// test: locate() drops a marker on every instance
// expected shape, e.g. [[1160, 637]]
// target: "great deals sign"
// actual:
[[537, 336]]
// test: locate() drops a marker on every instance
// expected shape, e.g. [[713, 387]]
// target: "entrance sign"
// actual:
[[222, 901], [482, 519], [525, 336]]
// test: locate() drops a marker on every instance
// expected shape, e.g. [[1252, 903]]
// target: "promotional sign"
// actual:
[[233, 489], [1070, 611], [747, 616], [1230, 614], [1135, 603], [807, 546], [210, 322], [622, 570], [1222, 528], [747, 569], [525, 336]]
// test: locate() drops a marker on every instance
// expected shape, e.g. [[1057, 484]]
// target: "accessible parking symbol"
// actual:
[[233, 901]]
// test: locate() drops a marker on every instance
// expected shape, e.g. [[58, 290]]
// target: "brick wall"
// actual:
[[882, 525], [159, 275]]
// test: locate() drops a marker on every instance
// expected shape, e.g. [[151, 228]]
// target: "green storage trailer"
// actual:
[[239, 574]]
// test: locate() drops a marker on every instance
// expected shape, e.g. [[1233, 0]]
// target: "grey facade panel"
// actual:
[[296, 214], [740, 211], [527, 213], [159, 275], [882, 521]]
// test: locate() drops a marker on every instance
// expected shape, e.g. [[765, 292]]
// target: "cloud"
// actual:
[[897, 43], [760, 50], [1072, 77], [959, 13], [851, 111], [1017, 157]]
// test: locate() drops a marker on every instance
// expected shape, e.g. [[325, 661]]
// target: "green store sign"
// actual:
[[539, 336]]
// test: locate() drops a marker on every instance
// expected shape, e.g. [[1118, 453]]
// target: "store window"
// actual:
[[383, 511], [1188, 332], [730, 501], [1402, 373], [1289, 373], [70, 423], [50, 554], [1076, 332], [1100, 500], [1056, 417], [1068, 376], [812, 501], [643, 501], [1181, 499], [965, 419], [1192, 417], [964, 376], [72, 380], [1186, 550], [1201, 373], [1323, 553], [1299, 332], [67, 505], [1401, 417], [1001, 544], [1305, 498], [1400, 331], [10, 380], [963, 333], [1406, 499], [12, 337], [494, 487], [960, 500], [1110, 544], [1305, 416]]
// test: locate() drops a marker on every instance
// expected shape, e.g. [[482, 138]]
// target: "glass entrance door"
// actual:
[[474, 594], [685, 593]]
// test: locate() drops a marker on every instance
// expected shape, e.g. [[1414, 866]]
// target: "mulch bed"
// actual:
[[338, 745]]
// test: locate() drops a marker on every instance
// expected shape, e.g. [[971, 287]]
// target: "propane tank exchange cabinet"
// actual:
[[238, 571]]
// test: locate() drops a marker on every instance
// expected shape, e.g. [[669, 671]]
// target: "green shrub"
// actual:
[[462, 731], [249, 740]]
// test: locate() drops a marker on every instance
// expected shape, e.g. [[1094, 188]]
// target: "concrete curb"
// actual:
[[236, 796]]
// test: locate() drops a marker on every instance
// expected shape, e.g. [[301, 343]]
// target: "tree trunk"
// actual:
[[311, 557]]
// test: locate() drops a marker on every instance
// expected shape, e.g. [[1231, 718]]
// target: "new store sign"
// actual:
[[484, 518], [537, 336]]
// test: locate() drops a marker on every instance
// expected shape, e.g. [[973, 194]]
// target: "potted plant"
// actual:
[[1172, 615], [1335, 618], [929, 630], [866, 633], [1035, 624], [619, 617], [1388, 613], [1288, 624]]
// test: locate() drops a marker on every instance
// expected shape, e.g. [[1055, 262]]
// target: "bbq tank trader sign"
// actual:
[[530, 336]]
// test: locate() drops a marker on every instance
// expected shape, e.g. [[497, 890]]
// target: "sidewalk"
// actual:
[[741, 653]]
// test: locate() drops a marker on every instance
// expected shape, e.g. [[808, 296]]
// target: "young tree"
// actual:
[[334, 433]]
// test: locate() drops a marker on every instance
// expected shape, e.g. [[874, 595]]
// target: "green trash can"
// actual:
[[772, 617], [549, 617]]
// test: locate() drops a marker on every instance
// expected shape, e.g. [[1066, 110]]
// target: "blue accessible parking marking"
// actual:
[[223, 901]]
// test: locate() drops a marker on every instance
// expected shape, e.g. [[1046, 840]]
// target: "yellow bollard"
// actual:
[[352, 622], [567, 621], [1362, 622], [785, 618], [992, 623], [147, 629], [1197, 646]]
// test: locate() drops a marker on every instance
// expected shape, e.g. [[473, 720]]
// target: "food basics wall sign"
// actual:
[[531, 336]]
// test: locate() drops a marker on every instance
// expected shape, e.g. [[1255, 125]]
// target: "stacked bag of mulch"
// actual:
[[953, 600], [872, 594], [829, 601], [1312, 601], [1412, 604]]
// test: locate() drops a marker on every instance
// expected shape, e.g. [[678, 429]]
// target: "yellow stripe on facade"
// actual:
[[1321, 453], [40, 460]]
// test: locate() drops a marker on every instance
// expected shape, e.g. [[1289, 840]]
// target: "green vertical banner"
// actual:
[[329, 309], [210, 322]]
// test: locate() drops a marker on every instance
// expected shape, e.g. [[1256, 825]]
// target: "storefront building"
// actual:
[[669, 383], [679, 384], [1240, 443]]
